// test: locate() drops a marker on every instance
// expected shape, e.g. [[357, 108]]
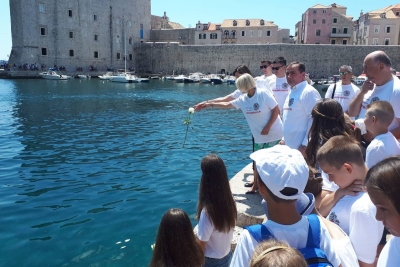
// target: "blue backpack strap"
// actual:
[[259, 232], [314, 231]]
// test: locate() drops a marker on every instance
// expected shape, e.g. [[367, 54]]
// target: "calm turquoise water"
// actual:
[[88, 168]]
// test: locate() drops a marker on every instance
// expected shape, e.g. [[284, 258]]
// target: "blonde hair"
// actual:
[[245, 82], [273, 253]]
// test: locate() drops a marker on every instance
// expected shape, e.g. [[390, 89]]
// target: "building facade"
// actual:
[[325, 25], [78, 33], [378, 27], [207, 34]]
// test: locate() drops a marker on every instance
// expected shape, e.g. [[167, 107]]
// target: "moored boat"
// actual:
[[179, 78], [106, 76], [53, 75]]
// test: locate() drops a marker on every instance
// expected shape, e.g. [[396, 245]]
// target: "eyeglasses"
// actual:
[[343, 73], [264, 67], [277, 68]]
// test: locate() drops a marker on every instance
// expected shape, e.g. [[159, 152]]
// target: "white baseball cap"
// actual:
[[281, 167]]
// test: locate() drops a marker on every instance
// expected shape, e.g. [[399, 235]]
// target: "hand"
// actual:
[[353, 189], [368, 136], [367, 86], [282, 142], [265, 131], [199, 106]]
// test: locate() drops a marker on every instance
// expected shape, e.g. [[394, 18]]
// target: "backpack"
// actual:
[[313, 254]]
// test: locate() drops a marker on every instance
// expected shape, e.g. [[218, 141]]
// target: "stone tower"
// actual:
[[78, 33]]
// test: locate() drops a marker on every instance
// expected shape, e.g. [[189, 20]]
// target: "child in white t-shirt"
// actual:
[[378, 117], [383, 186], [341, 158], [216, 212]]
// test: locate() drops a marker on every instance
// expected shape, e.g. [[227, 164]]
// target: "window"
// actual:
[[323, 21], [376, 28], [318, 33], [247, 22], [334, 20], [71, 34], [42, 8], [130, 40], [375, 41], [202, 36], [218, 27], [233, 34], [259, 33], [42, 31], [268, 33], [324, 11], [71, 53], [251, 33], [243, 33], [345, 30], [118, 55], [96, 37], [70, 13], [387, 29], [315, 11], [226, 34], [333, 30], [333, 41], [262, 22], [96, 54], [314, 21], [387, 41], [95, 17], [234, 23], [344, 42], [117, 40], [397, 13], [213, 36], [130, 57], [44, 51], [383, 15]]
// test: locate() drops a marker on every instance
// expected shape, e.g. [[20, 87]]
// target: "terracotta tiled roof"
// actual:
[[322, 6], [242, 23], [175, 25], [389, 12]]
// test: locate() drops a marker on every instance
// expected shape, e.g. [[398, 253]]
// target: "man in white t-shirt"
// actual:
[[297, 107], [264, 79], [343, 91], [350, 208], [283, 175], [381, 85], [383, 145], [278, 83]]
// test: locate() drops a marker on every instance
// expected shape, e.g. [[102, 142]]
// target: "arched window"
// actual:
[[233, 34], [226, 34], [262, 22], [234, 23], [247, 22]]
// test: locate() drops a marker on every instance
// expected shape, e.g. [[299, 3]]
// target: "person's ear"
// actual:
[[348, 167], [373, 118]]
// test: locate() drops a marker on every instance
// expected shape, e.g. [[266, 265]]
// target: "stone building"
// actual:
[[207, 34], [79, 33], [325, 25], [163, 23], [378, 27]]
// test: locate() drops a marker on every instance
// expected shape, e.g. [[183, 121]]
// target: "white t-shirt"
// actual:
[[280, 89], [263, 82], [344, 94], [390, 255], [345, 251], [257, 111], [295, 235], [380, 148], [297, 118], [390, 92], [218, 243], [236, 94], [356, 216]]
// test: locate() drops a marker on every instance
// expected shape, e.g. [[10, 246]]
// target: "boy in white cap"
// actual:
[[283, 175]]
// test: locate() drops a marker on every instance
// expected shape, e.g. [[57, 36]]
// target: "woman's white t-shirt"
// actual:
[[218, 243], [257, 111], [390, 255]]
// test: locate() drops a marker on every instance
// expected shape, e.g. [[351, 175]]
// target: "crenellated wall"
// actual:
[[320, 60]]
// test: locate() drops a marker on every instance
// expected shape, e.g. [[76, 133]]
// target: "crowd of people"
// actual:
[[328, 171]]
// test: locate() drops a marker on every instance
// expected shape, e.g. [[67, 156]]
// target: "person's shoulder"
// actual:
[[363, 204]]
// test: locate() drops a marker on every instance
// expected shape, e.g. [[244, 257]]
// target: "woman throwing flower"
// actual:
[[261, 112]]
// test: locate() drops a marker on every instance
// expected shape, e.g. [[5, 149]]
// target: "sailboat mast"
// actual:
[[125, 45]]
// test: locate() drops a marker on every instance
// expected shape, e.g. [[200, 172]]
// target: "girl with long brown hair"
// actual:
[[176, 244], [216, 212]]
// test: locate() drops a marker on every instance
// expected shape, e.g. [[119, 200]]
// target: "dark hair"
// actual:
[[328, 121], [340, 150], [302, 66], [215, 194], [382, 58], [279, 60], [384, 177], [266, 61], [241, 70], [176, 244], [274, 253]]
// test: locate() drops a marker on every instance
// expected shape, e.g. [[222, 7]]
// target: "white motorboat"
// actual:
[[53, 75], [170, 78], [216, 79], [124, 77], [106, 76], [144, 80], [83, 76], [205, 80], [179, 78]]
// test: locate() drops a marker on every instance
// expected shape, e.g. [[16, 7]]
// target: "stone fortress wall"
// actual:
[[320, 60]]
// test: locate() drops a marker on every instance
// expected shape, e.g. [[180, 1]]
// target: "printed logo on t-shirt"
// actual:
[[285, 85], [291, 101], [346, 93], [256, 106], [333, 218], [374, 99]]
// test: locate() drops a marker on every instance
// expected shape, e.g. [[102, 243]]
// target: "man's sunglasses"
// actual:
[[277, 68], [343, 73], [264, 67]]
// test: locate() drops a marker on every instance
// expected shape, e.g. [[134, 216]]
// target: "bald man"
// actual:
[[380, 85]]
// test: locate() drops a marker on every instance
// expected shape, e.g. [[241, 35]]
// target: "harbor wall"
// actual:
[[320, 60]]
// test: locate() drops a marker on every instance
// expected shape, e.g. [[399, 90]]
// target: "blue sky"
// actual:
[[285, 14]]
